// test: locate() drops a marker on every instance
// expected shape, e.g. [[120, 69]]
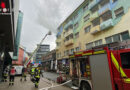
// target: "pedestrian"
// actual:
[[5, 74], [37, 74], [12, 76], [24, 73]]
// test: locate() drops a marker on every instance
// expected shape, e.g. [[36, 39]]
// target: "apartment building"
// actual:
[[93, 23]]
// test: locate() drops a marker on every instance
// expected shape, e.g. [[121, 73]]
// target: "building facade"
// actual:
[[43, 49], [49, 61], [18, 34], [21, 56], [93, 23], [9, 10]]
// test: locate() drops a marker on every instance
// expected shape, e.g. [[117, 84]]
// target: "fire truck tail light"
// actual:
[[2, 4]]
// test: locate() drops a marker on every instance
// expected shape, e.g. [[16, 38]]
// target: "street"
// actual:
[[28, 85], [51, 76]]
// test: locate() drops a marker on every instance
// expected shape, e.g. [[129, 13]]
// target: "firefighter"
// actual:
[[37, 74], [24, 73], [5, 74], [32, 74], [12, 76], [32, 71]]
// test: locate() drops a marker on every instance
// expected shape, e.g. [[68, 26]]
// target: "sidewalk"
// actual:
[[28, 85]]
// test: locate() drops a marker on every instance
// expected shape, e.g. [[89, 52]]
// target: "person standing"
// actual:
[[24, 73], [5, 74], [12, 76]]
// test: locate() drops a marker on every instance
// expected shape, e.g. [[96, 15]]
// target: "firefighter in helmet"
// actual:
[[37, 74]]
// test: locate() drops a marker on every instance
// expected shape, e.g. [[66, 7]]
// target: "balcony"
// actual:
[[95, 29], [94, 3], [57, 48], [106, 24], [67, 25], [69, 42], [105, 8], [70, 31], [94, 16]]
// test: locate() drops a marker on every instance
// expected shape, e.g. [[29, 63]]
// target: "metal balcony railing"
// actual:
[[106, 24]]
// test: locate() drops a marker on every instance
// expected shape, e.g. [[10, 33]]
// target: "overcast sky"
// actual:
[[40, 16]]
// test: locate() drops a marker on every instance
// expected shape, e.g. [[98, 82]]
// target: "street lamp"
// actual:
[[26, 63]]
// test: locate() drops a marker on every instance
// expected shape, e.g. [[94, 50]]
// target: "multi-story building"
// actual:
[[18, 34], [93, 23], [9, 10], [43, 49], [49, 61]]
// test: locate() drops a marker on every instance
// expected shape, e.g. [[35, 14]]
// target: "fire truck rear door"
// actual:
[[101, 79]]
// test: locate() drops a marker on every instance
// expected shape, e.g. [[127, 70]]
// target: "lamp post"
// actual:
[[26, 63]]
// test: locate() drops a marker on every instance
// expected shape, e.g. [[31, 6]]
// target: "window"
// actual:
[[85, 7], [87, 29], [75, 16], [104, 2], [71, 36], [77, 48], [67, 52], [125, 35], [77, 35], [125, 60], [98, 42], [72, 51], [96, 22], [119, 12], [109, 40], [89, 45], [86, 18], [114, 1], [94, 9], [116, 38], [76, 25], [106, 16]]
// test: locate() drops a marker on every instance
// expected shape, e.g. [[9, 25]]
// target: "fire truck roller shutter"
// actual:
[[100, 73]]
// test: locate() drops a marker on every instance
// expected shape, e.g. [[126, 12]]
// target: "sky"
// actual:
[[41, 16]]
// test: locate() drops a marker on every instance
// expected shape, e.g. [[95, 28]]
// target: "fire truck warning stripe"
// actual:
[[99, 52], [87, 54], [127, 80], [117, 65]]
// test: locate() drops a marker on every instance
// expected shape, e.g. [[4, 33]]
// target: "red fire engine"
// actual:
[[106, 67]]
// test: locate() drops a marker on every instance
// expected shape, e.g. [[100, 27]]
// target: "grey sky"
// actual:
[[40, 16]]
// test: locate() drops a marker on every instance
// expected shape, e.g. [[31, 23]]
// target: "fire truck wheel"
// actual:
[[85, 86]]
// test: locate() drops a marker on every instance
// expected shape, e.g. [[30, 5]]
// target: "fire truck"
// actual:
[[106, 67]]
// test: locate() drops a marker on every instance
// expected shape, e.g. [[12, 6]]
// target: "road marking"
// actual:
[[55, 85]]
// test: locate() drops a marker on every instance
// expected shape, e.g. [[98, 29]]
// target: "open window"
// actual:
[[125, 60]]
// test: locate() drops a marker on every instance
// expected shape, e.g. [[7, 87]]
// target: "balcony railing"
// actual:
[[68, 24], [94, 3], [105, 8], [106, 24], [68, 32], [69, 42], [94, 16], [95, 29]]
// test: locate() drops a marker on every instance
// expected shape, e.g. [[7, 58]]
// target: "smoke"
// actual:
[[52, 12]]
